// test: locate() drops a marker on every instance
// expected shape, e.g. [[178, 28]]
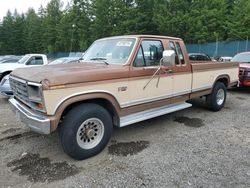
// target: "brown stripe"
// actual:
[[146, 106], [201, 66], [200, 93]]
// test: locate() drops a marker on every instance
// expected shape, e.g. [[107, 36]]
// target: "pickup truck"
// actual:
[[120, 81], [26, 61], [244, 68]]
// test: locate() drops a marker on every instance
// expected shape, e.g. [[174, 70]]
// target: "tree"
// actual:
[[239, 22], [194, 21], [81, 18], [50, 24], [32, 32], [102, 24]]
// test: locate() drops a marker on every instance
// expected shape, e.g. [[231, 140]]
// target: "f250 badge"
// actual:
[[124, 88]]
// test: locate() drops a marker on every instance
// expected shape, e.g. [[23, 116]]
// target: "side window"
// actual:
[[180, 54], [149, 54], [35, 61], [172, 47]]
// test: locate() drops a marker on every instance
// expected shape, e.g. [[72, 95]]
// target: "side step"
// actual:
[[148, 114]]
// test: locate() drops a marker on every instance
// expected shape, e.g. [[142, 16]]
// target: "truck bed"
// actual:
[[206, 73]]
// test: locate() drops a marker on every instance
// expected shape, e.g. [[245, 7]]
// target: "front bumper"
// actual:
[[36, 121], [245, 83]]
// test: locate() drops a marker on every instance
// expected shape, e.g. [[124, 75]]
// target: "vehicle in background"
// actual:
[[10, 60], [199, 57], [76, 54], [244, 69], [26, 61], [66, 60], [120, 81], [225, 58]]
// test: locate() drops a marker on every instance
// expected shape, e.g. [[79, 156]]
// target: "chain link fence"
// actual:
[[217, 49]]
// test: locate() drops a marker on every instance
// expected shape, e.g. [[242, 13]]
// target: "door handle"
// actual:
[[169, 71], [149, 68]]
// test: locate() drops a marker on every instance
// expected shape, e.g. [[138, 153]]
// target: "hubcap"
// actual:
[[220, 97], [90, 133]]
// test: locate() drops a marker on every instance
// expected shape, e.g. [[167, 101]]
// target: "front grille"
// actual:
[[20, 90]]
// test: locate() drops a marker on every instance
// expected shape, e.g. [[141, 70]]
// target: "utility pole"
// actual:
[[73, 26], [247, 44], [217, 44], [238, 46]]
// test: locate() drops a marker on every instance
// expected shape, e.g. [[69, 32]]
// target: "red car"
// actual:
[[244, 71]]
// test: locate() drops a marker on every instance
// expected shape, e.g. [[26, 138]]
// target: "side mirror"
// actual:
[[168, 58]]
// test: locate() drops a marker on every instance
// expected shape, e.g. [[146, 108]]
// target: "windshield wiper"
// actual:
[[101, 59]]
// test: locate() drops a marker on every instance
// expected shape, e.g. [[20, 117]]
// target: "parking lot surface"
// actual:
[[189, 148]]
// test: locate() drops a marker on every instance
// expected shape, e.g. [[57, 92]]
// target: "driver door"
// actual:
[[145, 89]]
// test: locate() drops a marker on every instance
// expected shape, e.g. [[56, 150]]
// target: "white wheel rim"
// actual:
[[220, 97], [90, 133]]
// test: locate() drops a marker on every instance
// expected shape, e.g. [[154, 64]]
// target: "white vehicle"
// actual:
[[224, 59], [26, 61]]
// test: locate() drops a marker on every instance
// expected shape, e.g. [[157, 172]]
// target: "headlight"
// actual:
[[35, 96], [34, 93]]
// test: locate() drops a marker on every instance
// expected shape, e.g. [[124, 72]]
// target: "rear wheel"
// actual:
[[216, 100], [85, 130]]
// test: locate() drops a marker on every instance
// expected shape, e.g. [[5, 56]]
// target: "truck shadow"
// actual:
[[242, 90]]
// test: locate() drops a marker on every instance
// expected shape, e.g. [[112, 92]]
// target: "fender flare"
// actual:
[[223, 76]]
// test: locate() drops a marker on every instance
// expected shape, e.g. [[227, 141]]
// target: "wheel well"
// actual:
[[4, 74], [102, 102], [224, 80]]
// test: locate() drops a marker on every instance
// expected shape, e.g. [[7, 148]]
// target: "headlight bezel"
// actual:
[[35, 96]]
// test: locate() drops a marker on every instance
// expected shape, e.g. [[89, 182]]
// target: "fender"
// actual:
[[81, 98], [4, 73]]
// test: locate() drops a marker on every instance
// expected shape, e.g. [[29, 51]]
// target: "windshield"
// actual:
[[243, 58], [24, 59], [114, 51]]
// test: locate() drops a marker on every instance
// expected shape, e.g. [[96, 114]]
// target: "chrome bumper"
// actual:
[[34, 120]]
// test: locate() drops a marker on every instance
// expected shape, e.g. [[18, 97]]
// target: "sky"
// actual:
[[21, 5]]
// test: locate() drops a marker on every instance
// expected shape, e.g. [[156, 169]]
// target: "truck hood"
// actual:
[[71, 73], [245, 65], [9, 66]]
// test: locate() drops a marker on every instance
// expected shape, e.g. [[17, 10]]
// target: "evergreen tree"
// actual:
[[239, 23], [51, 23], [33, 33]]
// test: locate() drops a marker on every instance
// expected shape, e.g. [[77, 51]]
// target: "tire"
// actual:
[[85, 130], [216, 100]]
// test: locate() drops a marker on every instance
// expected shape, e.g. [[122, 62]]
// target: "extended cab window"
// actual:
[[35, 61], [149, 54], [172, 47], [180, 54]]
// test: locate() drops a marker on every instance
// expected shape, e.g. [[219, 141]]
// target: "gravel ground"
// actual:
[[189, 148]]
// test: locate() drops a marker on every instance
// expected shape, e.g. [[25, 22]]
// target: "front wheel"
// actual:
[[216, 100], [86, 130]]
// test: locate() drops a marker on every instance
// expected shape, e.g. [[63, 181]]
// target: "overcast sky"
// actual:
[[21, 5]]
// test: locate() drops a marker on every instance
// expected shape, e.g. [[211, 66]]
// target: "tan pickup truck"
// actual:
[[121, 80]]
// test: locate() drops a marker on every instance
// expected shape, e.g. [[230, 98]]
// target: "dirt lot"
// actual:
[[190, 148]]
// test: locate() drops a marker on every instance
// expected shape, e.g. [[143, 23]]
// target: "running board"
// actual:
[[148, 114]]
